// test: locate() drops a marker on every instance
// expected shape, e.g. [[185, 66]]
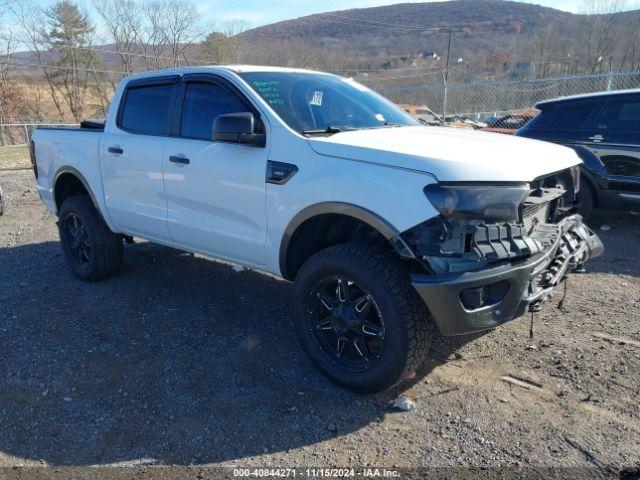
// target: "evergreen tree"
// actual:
[[73, 62]]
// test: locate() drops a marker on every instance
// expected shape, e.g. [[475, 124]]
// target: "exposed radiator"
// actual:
[[535, 213]]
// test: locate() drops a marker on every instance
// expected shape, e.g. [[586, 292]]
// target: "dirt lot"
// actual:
[[181, 360]]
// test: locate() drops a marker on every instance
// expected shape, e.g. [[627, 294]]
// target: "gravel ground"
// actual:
[[183, 361]]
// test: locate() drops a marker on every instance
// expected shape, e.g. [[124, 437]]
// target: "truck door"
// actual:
[[215, 191], [615, 141], [131, 153]]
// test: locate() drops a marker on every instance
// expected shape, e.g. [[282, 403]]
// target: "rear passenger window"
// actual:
[[572, 116], [620, 115], [203, 102], [145, 109], [543, 120]]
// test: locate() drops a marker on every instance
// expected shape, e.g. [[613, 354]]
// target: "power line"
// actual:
[[387, 70], [327, 20], [132, 54], [118, 72], [204, 62], [401, 77], [61, 67], [493, 47], [395, 26], [353, 24], [385, 24], [117, 52]]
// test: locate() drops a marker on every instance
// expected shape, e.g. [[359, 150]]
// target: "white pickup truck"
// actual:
[[384, 224]]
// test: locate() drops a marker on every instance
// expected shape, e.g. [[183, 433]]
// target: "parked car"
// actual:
[[382, 223], [509, 124], [604, 130]]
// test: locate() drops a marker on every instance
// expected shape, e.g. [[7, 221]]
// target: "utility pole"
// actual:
[[445, 72]]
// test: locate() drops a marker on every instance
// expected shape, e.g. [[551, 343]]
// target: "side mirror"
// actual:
[[237, 128]]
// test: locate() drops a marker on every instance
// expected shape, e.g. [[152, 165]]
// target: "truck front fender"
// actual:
[[340, 208]]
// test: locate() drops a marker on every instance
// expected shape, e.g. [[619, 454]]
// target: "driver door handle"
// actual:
[[181, 160], [115, 150]]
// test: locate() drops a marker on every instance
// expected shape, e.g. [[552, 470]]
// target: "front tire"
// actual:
[[92, 250], [359, 319]]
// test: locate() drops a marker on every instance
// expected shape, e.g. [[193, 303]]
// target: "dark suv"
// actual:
[[604, 129]]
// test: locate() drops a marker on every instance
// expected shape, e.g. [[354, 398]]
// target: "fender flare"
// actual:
[[368, 217], [76, 173]]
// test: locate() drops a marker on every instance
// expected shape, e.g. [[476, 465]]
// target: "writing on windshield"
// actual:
[[316, 102]]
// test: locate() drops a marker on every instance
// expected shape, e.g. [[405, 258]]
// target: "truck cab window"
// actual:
[[145, 109], [572, 116], [203, 102], [621, 116]]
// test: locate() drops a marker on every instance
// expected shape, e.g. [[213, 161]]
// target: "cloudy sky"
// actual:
[[259, 12]]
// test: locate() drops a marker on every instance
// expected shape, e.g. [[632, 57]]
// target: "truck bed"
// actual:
[[59, 149], [92, 125]]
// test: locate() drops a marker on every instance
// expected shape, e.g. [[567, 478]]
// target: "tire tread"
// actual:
[[384, 266], [107, 246]]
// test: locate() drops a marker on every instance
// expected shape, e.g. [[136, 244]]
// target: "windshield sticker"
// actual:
[[316, 99], [269, 91], [379, 117], [355, 84]]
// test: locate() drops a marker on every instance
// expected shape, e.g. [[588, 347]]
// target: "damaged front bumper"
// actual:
[[467, 302]]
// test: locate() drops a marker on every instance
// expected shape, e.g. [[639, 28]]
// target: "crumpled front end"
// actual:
[[482, 272]]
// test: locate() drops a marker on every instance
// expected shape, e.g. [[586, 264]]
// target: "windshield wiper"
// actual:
[[329, 129]]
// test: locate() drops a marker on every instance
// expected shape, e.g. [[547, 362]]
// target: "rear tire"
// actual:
[[92, 250], [394, 336]]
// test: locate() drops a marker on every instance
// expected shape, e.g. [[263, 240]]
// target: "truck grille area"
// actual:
[[551, 199], [535, 214], [499, 242], [448, 245]]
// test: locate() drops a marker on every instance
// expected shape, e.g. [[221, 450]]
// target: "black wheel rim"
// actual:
[[346, 323], [77, 240]]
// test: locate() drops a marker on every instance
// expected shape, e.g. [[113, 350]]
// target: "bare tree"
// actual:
[[598, 34], [12, 94], [631, 57], [232, 28], [31, 20], [122, 20], [544, 49], [169, 29], [630, 36], [150, 36]]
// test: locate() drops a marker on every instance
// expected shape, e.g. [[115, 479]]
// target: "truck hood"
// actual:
[[450, 154]]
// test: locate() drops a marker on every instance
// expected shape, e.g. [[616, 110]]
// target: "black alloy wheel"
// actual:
[[92, 250], [346, 322], [77, 240], [358, 317]]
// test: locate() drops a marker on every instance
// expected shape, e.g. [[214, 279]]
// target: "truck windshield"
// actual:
[[317, 103]]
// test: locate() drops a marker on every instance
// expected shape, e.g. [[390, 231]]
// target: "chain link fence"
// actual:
[[477, 100], [472, 101], [14, 144]]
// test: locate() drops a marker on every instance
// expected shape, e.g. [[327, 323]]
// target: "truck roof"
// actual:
[[215, 68], [587, 95]]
